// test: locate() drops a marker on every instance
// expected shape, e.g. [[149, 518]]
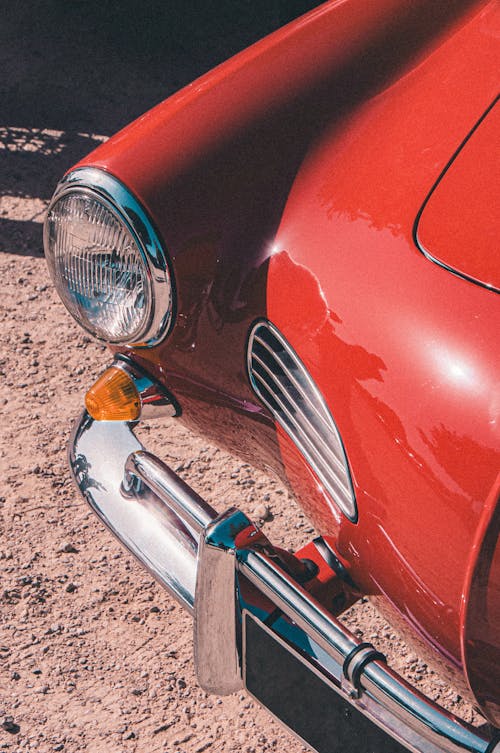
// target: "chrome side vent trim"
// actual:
[[283, 384]]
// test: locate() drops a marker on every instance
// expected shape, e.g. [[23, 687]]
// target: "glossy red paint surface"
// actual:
[[286, 184], [460, 223]]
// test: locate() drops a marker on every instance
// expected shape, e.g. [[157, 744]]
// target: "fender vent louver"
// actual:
[[282, 382]]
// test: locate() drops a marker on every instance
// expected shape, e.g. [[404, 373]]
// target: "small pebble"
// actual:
[[262, 512], [69, 548], [9, 725]]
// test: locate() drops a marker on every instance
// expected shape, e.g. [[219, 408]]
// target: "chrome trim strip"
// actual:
[[288, 368], [287, 389], [416, 238], [318, 405], [320, 462], [170, 529], [117, 197], [299, 421]]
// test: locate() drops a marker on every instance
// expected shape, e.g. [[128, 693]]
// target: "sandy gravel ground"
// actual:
[[94, 656]]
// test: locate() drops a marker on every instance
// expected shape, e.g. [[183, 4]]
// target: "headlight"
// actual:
[[106, 260]]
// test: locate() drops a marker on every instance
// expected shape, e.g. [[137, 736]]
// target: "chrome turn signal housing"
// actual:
[[124, 392]]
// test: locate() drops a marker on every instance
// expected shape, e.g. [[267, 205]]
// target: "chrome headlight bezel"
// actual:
[[119, 200]]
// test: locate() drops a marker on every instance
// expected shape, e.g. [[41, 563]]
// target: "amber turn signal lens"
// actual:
[[113, 397]]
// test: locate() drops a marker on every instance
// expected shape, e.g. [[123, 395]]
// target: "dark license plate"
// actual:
[[306, 701]]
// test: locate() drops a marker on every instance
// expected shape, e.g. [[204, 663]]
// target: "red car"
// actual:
[[297, 256]]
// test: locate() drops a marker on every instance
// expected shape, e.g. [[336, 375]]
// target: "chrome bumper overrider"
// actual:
[[196, 554]]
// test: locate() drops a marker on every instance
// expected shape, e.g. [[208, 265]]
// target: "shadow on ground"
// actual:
[[73, 70]]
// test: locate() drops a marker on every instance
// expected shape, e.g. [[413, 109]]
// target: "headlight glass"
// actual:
[[106, 260], [98, 269]]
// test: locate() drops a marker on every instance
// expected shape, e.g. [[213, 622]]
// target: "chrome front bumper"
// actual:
[[197, 555]]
